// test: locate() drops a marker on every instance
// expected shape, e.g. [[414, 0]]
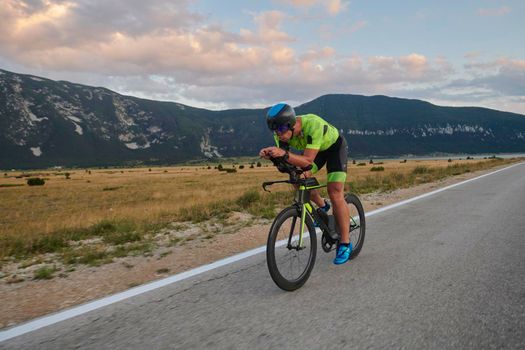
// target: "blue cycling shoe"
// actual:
[[343, 253]]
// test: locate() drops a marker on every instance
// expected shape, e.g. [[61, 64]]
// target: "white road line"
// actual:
[[93, 305]]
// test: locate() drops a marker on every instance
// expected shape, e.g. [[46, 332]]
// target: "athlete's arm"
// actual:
[[302, 161]]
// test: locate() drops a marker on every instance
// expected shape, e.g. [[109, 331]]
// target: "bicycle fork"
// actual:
[[305, 208]]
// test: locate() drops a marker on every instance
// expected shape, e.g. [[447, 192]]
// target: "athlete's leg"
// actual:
[[340, 209], [316, 198], [319, 162], [336, 166]]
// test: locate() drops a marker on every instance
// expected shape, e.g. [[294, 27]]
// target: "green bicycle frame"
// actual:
[[303, 199]]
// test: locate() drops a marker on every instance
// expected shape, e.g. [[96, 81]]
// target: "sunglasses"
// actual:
[[281, 129]]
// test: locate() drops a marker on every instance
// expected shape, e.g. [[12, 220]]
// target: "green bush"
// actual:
[[111, 188], [44, 273], [420, 170], [122, 237], [361, 164], [36, 181], [377, 168], [248, 198]]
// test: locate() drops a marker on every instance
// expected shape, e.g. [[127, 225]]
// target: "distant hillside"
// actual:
[[46, 123]]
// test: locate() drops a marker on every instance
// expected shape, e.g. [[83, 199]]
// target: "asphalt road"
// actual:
[[446, 271]]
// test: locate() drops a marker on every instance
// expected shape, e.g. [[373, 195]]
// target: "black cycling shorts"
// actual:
[[335, 157]]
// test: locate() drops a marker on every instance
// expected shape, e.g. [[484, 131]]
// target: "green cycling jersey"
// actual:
[[316, 133]]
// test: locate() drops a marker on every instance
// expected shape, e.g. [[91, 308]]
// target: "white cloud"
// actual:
[[162, 50], [494, 12], [331, 7], [498, 84]]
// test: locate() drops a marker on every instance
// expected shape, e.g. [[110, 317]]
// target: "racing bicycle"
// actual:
[[292, 241]]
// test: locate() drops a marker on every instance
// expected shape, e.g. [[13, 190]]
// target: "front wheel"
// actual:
[[357, 223], [290, 258]]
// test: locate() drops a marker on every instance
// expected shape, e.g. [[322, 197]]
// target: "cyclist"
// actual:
[[321, 144]]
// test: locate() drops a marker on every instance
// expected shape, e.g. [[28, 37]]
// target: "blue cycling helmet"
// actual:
[[280, 114]]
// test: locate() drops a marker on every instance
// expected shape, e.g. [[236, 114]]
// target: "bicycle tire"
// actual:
[[358, 233], [277, 250]]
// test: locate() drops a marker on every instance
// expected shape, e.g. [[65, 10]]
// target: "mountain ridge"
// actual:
[[48, 123]]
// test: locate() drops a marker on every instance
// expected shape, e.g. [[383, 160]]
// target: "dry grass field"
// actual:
[[122, 206]]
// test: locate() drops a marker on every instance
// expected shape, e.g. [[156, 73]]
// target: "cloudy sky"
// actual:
[[232, 53]]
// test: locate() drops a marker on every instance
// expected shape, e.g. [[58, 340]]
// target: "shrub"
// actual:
[[68, 176], [371, 161], [248, 198], [36, 181], [121, 237], [353, 161], [450, 160], [220, 167], [361, 164], [89, 256], [44, 273], [377, 168], [251, 166], [259, 164], [111, 188], [241, 166], [230, 170], [48, 244], [420, 170]]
